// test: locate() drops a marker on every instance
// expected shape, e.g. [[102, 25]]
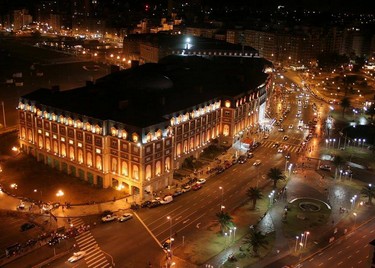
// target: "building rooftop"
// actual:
[[148, 94]]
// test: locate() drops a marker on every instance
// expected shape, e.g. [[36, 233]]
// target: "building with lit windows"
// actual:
[[131, 129]]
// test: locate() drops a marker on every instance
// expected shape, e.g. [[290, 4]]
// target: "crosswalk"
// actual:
[[292, 148], [94, 257]]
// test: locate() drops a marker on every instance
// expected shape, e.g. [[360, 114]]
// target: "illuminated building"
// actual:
[[133, 128]]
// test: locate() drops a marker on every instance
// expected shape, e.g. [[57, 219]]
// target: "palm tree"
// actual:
[[275, 174], [338, 161], [224, 219], [256, 240], [369, 192], [254, 194], [345, 103]]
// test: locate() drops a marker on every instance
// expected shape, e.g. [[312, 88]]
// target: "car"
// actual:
[[287, 156], [186, 188], [145, 203], [21, 206], [196, 187], [177, 192], [257, 163], [154, 203], [281, 129], [218, 171], [27, 226], [125, 217], [201, 181], [109, 218], [168, 243], [285, 138], [280, 150], [325, 167], [290, 126], [53, 241], [266, 136], [242, 159], [275, 145], [166, 200], [77, 256], [250, 155]]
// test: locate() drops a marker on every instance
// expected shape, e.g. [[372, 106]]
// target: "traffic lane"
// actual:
[[350, 252], [123, 241]]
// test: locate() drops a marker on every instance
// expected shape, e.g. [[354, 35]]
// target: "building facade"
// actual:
[[136, 159]]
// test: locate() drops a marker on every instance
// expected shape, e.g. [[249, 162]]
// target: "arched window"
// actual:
[[88, 126], [23, 133], [135, 137], [55, 147], [158, 134], [191, 143], [226, 130], [40, 142], [158, 168], [48, 144], [71, 153], [98, 161], [63, 149], [114, 131], [178, 149], [80, 156], [208, 134], [124, 168], [135, 172], [70, 121], [167, 163], [148, 172], [197, 140], [186, 149], [29, 135], [89, 159], [114, 165]]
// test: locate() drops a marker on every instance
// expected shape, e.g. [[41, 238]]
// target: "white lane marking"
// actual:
[[355, 242], [103, 260], [364, 236], [89, 245], [339, 263], [330, 258], [93, 260], [320, 264], [339, 252], [349, 256]]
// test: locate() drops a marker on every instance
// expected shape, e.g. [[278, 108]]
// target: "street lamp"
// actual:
[[307, 234], [41, 194], [234, 233], [59, 193], [355, 218], [222, 198], [170, 233], [297, 239], [290, 169], [286, 164]]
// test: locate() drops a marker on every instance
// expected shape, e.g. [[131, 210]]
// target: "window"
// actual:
[[99, 162], [226, 130], [23, 133], [63, 149], [114, 165], [178, 149], [80, 156], [48, 145], [89, 159], [124, 168], [167, 164], [158, 168], [148, 172], [40, 142], [71, 152], [186, 149], [191, 143], [29, 135], [135, 172], [55, 147]]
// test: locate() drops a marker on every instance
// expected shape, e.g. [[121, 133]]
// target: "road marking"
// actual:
[[357, 251], [320, 264], [198, 224], [339, 263], [101, 265], [330, 258], [364, 236], [89, 245], [349, 256], [320, 254], [94, 260], [366, 246], [234, 169], [96, 252], [371, 231], [185, 221], [84, 239], [178, 218], [311, 259], [339, 252], [359, 262], [83, 234], [347, 247], [102, 259]]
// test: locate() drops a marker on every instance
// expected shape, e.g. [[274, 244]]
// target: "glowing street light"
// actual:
[[222, 198], [297, 239], [307, 234], [59, 193]]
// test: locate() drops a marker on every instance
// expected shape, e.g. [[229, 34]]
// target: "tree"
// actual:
[[369, 192], [345, 103], [338, 161], [256, 240], [254, 194], [224, 219], [275, 174]]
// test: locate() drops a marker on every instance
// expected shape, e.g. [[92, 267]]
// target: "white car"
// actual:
[[125, 217], [201, 181], [77, 256], [109, 218], [166, 200], [290, 126], [257, 163], [186, 188]]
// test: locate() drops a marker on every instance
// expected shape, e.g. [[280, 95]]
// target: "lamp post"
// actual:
[[290, 169], [286, 164], [170, 233], [297, 239], [355, 218], [234, 233], [307, 234], [301, 242], [40, 191], [222, 198]]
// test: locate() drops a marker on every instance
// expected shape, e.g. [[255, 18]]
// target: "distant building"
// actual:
[[21, 18], [132, 128]]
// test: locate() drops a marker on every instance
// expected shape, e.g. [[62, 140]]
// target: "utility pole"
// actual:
[[5, 122]]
